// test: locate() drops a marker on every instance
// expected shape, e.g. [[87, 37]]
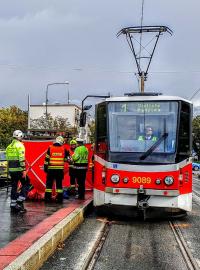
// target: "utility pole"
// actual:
[[142, 79]]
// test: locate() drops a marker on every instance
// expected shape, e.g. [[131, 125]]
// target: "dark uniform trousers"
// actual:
[[81, 176], [72, 176], [15, 178], [57, 175]]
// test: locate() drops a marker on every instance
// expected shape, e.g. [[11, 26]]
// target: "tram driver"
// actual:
[[149, 135]]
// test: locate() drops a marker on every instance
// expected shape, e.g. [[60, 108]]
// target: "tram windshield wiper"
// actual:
[[154, 146]]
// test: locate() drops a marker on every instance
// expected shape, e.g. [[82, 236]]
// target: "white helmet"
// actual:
[[18, 134], [79, 140], [60, 140]]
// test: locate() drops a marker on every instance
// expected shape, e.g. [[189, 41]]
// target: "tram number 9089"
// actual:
[[141, 180]]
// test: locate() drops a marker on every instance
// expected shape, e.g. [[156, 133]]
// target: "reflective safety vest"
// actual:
[[142, 138], [15, 155], [56, 157]]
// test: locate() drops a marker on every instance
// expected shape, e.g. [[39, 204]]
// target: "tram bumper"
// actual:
[[155, 198]]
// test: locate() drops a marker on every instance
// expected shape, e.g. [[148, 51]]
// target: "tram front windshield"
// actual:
[[143, 127]]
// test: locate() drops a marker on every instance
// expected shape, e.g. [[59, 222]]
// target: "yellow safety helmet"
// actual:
[[72, 142]]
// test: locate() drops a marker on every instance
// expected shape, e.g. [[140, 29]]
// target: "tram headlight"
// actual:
[[169, 180], [115, 178]]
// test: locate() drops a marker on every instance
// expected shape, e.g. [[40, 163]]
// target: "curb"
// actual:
[[34, 257]]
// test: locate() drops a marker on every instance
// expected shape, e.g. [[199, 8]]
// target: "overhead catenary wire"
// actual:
[[194, 94], [90, 69]]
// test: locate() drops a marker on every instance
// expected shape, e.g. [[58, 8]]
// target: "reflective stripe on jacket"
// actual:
[[142, 138], [15, 155], [56, 157]]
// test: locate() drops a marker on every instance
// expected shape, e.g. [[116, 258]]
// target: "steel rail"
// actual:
[[187, 255], [196, 194], [195, 185], [96, 250], [196, 181]]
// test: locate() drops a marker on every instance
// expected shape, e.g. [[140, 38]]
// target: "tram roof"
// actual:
[[148, 98]]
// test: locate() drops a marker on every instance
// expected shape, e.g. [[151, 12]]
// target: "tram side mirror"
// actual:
[[82, 119], [83, 115], [87, 107]]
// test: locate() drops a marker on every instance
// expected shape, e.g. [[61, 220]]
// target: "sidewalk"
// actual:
[[27, 240]]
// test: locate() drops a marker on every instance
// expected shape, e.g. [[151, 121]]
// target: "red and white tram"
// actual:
[[130, 169]]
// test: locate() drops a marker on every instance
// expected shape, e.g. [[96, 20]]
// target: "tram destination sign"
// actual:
[[145, 107]]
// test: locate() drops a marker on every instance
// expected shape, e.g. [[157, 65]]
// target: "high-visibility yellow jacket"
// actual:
[[80, 157], [153, 138], [15, 155]]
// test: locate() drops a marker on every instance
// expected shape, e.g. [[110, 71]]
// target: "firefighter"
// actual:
[[72, 176], [54, 167], [15, 155], [80, 159]]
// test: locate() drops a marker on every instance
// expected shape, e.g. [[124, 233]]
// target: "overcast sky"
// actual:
[[47, 41]]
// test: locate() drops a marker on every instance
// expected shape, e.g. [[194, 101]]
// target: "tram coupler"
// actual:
[[142, 199], [142, 204]]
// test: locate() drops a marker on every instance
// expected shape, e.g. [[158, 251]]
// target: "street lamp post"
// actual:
[[47, 88]]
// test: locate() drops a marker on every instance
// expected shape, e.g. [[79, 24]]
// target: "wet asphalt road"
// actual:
[[132, 244], [13, 225]]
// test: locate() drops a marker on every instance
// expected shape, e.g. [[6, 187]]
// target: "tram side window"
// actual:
[[101, 129], [184, 130]]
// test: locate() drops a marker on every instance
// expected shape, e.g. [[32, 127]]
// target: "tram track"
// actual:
[[196, 184], [187, 255], [95, 253], [196, 194], [96, 250], [196, 197]]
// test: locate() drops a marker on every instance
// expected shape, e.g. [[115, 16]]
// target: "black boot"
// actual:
[[15, 208], [59, 198], [21, 205], [47, 197]]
